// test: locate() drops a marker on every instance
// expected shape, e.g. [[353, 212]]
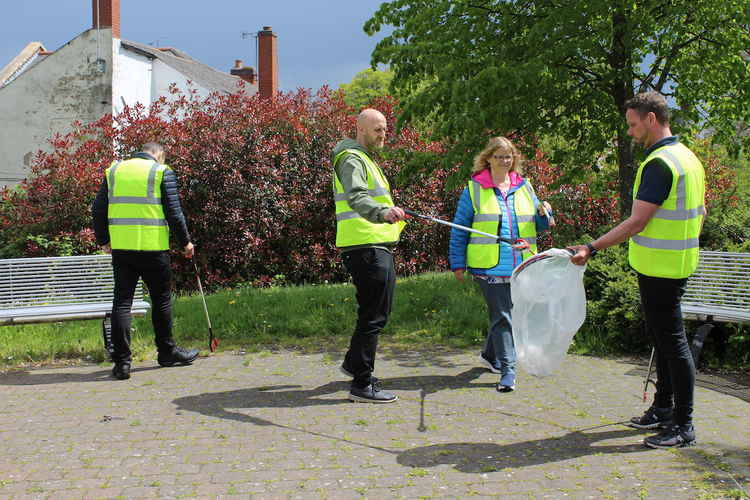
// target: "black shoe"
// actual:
[[178, 356], [654, 418], [676, 436], [373, 393], [121, 371]]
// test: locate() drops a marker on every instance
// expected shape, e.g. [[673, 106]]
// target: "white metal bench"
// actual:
[[48, 289], [718, 292]]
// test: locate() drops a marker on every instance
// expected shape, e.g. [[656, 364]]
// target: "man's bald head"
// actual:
[[371, 128]]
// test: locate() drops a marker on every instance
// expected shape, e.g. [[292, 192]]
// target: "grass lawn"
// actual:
[[430, 310]]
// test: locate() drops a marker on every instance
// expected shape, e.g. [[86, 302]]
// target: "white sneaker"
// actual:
[[483, 361]]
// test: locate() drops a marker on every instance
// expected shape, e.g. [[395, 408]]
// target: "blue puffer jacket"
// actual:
[[509, 258]]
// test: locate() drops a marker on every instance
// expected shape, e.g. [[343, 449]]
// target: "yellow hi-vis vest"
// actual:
[[353, 229], [668, 246], [135, 213], [484, 252]]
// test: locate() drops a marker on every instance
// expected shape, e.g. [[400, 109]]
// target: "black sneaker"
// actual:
[[178, 356], [676, 436], [373, 393], [654, 418], [121, 371]]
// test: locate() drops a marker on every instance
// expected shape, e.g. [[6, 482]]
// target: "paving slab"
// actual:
[[279, 425]]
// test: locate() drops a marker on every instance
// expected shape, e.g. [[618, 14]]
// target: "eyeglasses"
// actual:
[[502, 157]]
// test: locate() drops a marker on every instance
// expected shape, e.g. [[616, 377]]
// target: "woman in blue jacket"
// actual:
[[497, 200]]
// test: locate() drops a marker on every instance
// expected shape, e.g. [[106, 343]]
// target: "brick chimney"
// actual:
[[106, 14], [268, 64], [247, 73]]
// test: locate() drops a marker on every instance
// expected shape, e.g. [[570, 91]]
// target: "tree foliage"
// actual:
[[564, 68], [366, 86]]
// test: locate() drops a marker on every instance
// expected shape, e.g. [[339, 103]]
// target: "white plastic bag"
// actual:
[[549, 306]]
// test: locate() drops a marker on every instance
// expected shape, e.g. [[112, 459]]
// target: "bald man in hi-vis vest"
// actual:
[[368, 226], [663, 231]]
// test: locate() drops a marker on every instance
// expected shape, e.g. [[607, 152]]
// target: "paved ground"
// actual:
[[278, 425]]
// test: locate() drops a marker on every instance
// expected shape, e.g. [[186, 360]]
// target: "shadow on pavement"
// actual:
[[489, 457], [55, 377], [466, 457], [290, 396], [440, 358]]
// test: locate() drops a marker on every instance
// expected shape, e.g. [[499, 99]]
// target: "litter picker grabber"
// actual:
[[212, 342], [520, 243], [648, 375]]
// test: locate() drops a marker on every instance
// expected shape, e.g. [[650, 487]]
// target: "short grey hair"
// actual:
[[153, 148]]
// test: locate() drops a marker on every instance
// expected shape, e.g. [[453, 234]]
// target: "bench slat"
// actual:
[[719, 313], [718, 291], [37, 277], [716, 286], [61, 313]]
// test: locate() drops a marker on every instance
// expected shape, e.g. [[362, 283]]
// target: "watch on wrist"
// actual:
[[592, 250]]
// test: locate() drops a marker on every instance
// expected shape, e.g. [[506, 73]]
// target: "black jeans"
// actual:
[[154, 268], [374, 277], [675, 370]]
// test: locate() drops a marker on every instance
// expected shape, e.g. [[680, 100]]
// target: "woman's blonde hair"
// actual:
[[481, 161]]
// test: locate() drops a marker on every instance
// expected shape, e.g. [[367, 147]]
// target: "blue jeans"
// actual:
[[499, 349]]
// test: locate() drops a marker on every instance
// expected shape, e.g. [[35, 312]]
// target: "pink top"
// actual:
[[484, 178]]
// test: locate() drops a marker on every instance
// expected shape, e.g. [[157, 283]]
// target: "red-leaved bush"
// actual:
[[255, 184]]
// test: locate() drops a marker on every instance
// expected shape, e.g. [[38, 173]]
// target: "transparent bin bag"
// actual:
[[549, 306]]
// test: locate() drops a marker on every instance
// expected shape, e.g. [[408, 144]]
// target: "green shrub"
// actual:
[[613, 316]]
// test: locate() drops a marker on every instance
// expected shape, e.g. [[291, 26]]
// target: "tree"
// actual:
[[366, 85], [564, 69]]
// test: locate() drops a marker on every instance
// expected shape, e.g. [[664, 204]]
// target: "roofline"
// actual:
[[18, 63], [137, 50]]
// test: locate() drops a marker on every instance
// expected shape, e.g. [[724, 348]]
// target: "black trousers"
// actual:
[[675, 370], [374, 277], [155, 269]]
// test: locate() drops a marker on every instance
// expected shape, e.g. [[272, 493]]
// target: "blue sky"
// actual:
[[320, 41]]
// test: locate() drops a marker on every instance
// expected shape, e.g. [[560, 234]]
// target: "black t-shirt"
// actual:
[[656, 179]]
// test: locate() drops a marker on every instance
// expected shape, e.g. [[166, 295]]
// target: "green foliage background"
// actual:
[[564, 69], [366, 86]]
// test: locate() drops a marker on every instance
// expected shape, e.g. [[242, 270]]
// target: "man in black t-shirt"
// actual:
[[663, 231]]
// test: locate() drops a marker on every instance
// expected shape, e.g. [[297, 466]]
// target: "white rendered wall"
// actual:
[[131, 80], [49, 96]]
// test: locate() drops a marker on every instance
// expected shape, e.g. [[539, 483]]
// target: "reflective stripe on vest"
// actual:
[[668, 245], [135, 213], [353, 229], [484, 252]]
